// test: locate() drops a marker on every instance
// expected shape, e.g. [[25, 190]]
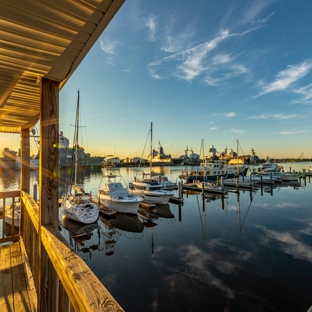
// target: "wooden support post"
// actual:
[[48, 189], [25, 173], [25, 160]]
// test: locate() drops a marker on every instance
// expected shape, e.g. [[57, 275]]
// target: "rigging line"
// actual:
[[248, 210], [241, 148], [143, 151]]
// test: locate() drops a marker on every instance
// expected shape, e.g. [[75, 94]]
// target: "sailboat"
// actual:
[[79, 205], [150, 189]]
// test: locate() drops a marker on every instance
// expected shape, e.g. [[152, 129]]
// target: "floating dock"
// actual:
[[147, 205], [176, 200]]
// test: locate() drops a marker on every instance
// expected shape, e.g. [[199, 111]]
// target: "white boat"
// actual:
[[115, 196], [211, 187], [268, 166], [163, 179], [79, 205], [212, 169], [149, 189], [12, 214]]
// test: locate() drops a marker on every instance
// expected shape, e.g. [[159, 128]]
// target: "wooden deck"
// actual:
[[17, 290]]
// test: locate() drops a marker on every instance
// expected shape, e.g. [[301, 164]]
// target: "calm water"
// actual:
[[250, 252]]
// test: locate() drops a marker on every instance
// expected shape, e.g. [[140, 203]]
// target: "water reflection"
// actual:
[[80, 237], [124, 222], [234, 252]]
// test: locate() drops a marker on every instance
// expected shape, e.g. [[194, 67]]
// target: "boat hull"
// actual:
[[156, 197], [123, 206]]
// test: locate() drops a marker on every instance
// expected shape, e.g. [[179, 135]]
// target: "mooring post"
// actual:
[[35, 193]]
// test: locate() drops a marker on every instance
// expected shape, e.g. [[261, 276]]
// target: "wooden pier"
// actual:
[[39, 270], [17, 291]]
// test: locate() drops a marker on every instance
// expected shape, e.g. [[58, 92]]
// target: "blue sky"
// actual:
[[212, 70]]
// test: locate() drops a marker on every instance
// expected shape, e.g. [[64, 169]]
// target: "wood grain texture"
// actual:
[[85, 291]]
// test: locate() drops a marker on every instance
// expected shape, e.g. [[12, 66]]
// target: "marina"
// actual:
[[249, 247], [196, 235]]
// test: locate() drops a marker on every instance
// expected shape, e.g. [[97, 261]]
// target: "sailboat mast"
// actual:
[[151, 159], [237, 156], [76, 139]]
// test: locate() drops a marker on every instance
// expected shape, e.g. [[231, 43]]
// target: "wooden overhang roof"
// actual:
[[43, 39]]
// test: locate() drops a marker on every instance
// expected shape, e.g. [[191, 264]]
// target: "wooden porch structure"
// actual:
[[41, 45]]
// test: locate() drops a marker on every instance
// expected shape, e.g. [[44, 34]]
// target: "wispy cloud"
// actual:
[[193, 62], [237, 130], [254, 10], [289, 132], [214, 128], [151, 25], [108, 46], [277, 116], [284, 79], [231, 114], [306, 91], [177, 42]]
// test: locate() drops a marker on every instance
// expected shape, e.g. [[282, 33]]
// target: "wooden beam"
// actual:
[[48, 163], [48, 188], [25, 161]]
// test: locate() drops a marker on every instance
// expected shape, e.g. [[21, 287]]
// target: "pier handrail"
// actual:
[[68, 282]]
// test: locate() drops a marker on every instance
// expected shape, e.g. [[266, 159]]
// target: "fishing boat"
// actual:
[[79, 206], [148, 188], [115, 196]]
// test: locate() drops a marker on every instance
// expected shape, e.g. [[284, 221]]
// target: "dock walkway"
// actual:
[[17, 290]]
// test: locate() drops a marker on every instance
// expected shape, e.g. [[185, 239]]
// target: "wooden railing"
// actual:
[[9, 232], [62, 279]]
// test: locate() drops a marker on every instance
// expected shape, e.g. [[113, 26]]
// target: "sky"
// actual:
[[205, 71]]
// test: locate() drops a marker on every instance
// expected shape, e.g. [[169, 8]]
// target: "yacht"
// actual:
[[163, 179], [268, 166], [151, 191], [115, 196], [212, 169]]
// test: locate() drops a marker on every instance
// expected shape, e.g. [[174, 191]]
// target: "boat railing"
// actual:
[[62, 280]]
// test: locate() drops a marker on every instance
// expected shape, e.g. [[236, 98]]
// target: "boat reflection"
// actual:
[[80, 236], [156, 212], [120, 224], [124, 222]]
